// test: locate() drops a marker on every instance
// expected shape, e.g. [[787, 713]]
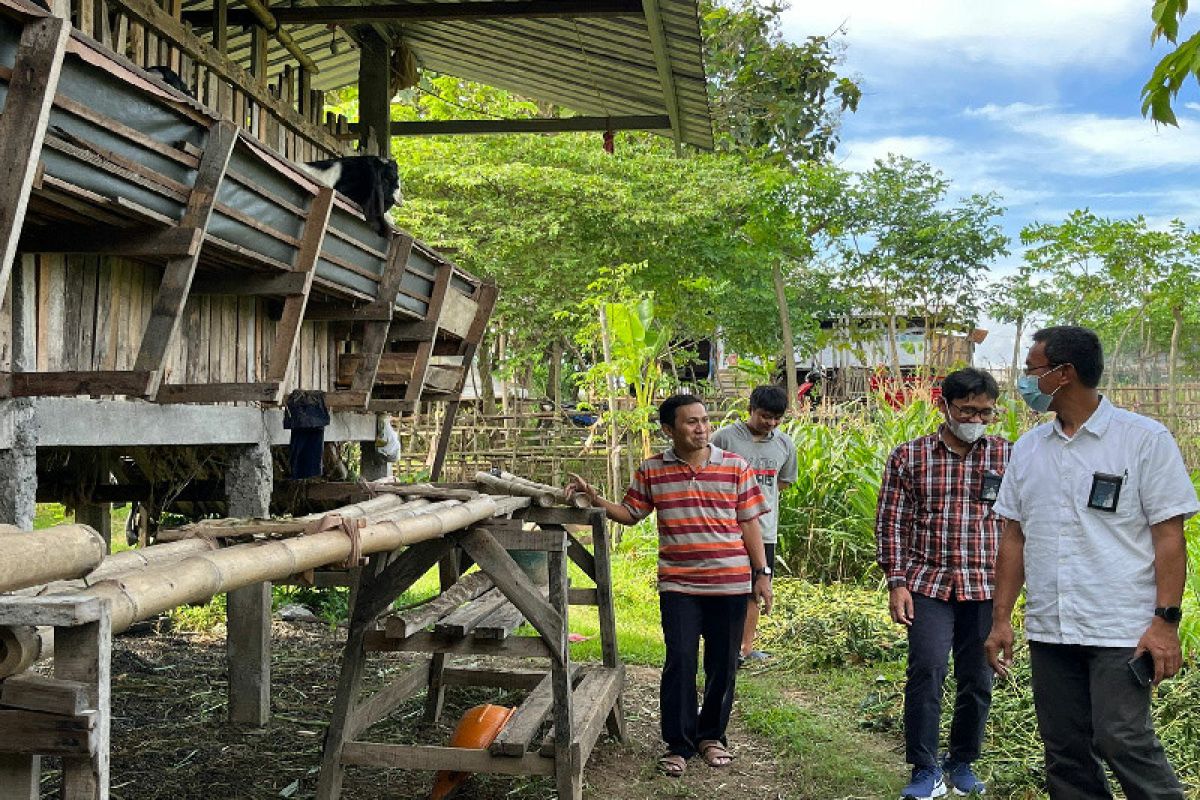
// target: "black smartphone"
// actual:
[[1142, 668]]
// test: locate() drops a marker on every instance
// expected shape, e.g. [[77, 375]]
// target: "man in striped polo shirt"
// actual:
[[710, 561]]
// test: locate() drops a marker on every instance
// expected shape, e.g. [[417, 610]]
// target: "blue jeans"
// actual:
[[940, 627]]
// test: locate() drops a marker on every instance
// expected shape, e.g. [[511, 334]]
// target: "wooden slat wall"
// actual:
[[105, 22], [6, 326], [93, 310]]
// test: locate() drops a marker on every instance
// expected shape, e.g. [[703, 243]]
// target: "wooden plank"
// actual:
[[550, 541], [177, 277], [236, 392], [428, 757], [458, 314], [87, 312], [404, 570], [174, 242], [133, 383], [385, 701], [55, 611], [581, 556], [510, 678], [72, 301], [516, 585], [525, 722], [30, 94], [593, 699], [47, 734], [500, 623], [568, 769], [391, 369], [20, 776], [463, 620], [514, 646], [49, 695], [583, 597], [287, 333], [405, 624], [437, 303], [628, 122], [288, 283]]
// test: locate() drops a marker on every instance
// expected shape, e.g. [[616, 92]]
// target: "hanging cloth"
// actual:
[[306, 416]]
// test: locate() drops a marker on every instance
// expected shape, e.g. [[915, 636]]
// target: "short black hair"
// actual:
[[965, 382], [1079, 347], [666, 412], [770, 398]]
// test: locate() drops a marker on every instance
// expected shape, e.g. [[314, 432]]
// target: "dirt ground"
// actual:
[[171, 740]]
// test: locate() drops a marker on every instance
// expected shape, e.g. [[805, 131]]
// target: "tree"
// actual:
[[1173, 70], [908, 251], [1015, 299], [770, 94]]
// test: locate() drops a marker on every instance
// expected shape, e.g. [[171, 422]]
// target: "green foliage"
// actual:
[[819, 626], [768, 93], [1174, 68], [827, 519]]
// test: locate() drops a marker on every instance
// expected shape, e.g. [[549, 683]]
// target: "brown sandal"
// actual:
[[672, 765], [715, 754]]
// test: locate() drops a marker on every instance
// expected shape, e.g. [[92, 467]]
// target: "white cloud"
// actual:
[[861, 155], [1024, 34], [1192, 106], [1094, 145]]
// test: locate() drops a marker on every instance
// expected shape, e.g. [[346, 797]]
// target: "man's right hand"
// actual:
[[578, 485], [900, 605], [999, 647]]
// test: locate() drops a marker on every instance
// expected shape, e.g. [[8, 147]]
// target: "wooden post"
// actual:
[[433, 312], [606, 610], [20, 776], [375, 334], [248, 484], [172, 296], [287, 331], [84, 653], [23, 127], [449, 570], [374, 95], [568, 775]]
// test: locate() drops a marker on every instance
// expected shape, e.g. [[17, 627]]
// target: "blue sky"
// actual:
[[1037, 101]]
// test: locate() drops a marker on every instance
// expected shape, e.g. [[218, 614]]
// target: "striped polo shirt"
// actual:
[[700, 547]]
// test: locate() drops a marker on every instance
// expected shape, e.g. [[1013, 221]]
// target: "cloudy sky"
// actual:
[[1038, 100]]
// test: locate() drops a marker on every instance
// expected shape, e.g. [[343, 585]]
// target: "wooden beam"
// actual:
[[35, 75], [645, 122], [287, 333], [512, 647], [431, 12], [284, 284], [666, 76], [430, 757], [217, 393], [137, 242], [375, 336], [49, 695], [374, 93], [132, 383], [384, 702], [172, 295], [47, 734], [437, 301]]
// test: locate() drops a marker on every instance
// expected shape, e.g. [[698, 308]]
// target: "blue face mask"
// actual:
[[1032, 394]]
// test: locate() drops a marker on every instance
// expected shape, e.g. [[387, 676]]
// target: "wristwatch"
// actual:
[[754, 573], [1171, 614]]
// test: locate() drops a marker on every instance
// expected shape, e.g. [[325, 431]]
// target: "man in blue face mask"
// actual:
[[937, 538], [1094, 504]]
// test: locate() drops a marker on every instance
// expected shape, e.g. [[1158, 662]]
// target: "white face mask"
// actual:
[[964, 431]]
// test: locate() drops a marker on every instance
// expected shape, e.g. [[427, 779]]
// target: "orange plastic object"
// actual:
[[477, 729]]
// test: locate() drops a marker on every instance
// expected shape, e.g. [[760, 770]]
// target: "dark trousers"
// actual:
[[685, 619], [1089, 709], [940, 627]]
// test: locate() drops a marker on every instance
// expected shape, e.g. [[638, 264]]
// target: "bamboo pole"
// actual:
[[143, 593], [64, 551], [415, 619], [271, 25], [543, 494]]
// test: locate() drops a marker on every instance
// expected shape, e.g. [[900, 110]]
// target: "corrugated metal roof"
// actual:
[[603, 66]]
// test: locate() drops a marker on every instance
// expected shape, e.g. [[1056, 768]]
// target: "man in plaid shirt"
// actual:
[[937, 540]]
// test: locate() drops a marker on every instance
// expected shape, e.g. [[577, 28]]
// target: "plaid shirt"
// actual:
[[934, 533]]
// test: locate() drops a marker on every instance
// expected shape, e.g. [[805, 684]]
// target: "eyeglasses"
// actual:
[[1047, 365], [967, 412]]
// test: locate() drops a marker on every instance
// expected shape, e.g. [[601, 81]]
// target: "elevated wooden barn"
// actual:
[[168, 274]]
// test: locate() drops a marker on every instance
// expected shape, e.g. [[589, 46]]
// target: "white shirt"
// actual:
[[1089, 574]]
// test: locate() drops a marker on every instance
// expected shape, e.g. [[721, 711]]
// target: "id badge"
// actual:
[[1106, 492], [989, 487]]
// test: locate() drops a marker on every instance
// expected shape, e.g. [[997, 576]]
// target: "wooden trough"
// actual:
[[404, 536], [124, 166]]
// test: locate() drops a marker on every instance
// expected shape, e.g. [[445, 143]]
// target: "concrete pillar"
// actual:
[[372, 466], [18, 463], [248, 485]]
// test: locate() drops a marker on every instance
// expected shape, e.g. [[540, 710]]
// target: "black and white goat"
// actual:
[[370, 181], [171, 78]]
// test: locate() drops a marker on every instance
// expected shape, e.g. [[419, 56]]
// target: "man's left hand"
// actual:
[[762, 593], [1161, 639]]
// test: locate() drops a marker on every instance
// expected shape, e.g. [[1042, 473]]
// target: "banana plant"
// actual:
[[638, 348]]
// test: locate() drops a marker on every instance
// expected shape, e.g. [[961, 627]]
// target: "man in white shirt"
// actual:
[[1094, 504]]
